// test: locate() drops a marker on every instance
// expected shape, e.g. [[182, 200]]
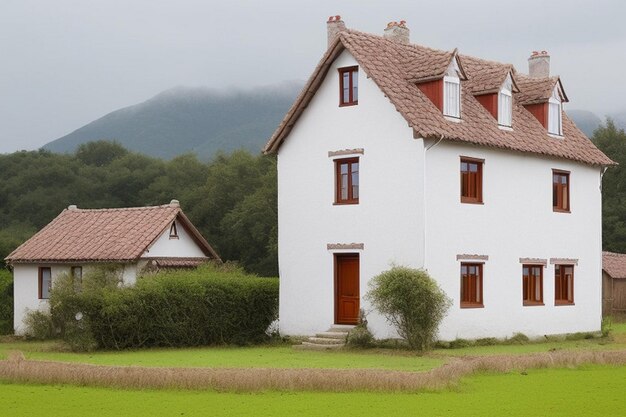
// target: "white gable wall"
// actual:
[[183, 247], [388, 219]]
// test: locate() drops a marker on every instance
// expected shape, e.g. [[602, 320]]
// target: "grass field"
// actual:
[[586, 391]]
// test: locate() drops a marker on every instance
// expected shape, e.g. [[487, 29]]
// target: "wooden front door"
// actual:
[[347, 288]]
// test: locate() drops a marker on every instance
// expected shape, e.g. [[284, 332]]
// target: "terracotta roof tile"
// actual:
[[388, 64], [103, 235], [614, 264]]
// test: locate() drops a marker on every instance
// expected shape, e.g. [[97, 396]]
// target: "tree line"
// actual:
[[230, 199]]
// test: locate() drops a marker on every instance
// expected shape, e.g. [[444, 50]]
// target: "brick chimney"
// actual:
[[539, 64], [334, 25], [397, 32]]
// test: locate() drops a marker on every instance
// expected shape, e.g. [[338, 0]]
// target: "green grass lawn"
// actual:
[[586, 391]]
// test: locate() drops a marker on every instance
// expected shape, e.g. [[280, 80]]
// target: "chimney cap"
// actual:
[[539, 54], [335, 18], [174, 203], [72, 207]]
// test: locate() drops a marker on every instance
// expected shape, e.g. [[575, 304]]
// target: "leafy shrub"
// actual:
[[607, 326], [460, 343], [360, 336], [6, 302], [181, 308], [487, 341], [38, 325], [518, 339], [412, 301]]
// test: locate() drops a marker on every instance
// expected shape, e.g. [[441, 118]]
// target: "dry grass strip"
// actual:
[[17, 369]]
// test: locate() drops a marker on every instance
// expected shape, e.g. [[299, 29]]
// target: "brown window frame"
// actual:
[[173, 231], [558, 282], [351, 99], [529, 285], [557, 187], [40, 282], [350, 194], [478, 198], [466, 301]]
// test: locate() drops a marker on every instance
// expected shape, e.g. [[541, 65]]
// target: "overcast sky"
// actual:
[[64, 63]]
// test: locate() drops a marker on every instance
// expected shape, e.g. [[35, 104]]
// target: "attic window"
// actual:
[[173, 231], [505, 104], [555, 110], [452, 97], [348, 86]]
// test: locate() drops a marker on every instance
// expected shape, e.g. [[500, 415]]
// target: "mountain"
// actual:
[[585, 120], [184, 119]]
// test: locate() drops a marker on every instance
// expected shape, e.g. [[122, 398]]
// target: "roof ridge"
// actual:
[[163, 206]]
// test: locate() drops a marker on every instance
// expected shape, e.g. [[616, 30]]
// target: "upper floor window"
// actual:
[[471, 180], [45, 282], [560, 191], [348, 86], [505, 103], [452, 96], [347, 181], [532, 282], [471, 285], [555, 110], [563, 284]]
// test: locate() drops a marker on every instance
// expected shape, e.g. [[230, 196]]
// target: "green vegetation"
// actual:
[[481, 395], [6, 302], [231, 199], [214, 304], [412, 301]]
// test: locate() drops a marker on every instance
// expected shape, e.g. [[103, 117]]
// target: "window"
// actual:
[[505, 108], [347, 181], [471, 285], [555, 107], [77, 277], [348, 86], [560, 191], [173, 231], [452, 97], [471, 180], [563, 284], [532, 277], [45, 282]]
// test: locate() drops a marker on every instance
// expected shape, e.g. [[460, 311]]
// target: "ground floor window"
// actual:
[[45, 282], [471, 285], [532, 277], [563, 284]]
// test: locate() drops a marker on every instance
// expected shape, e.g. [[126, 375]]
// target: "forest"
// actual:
[[231, 199]]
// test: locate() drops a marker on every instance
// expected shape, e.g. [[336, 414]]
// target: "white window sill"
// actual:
[[452, 119], [506, 128], [555, 136]]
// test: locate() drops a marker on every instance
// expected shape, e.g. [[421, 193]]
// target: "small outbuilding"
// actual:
[[137, 239], [613, 284]]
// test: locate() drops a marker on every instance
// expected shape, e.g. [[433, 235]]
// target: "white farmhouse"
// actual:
[[395, 153], [135, 238]]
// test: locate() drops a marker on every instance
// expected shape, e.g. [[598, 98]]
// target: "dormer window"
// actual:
[[348, 86], [452, 97], [505, 103], [555, 110]]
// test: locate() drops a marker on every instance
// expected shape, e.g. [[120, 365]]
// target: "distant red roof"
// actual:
[[103, 235], [397, 69], [614, 264]]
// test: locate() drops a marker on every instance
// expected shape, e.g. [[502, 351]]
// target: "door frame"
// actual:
[[336, 256]]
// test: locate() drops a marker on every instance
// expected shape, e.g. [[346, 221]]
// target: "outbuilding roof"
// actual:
[[614, 264], [397, 68], [104, 235]]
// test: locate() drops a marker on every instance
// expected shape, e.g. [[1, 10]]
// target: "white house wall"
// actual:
[[183, 247], [516, 221], [388, 219]]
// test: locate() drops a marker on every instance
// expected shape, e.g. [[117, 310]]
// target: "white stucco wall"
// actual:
[[183, 247], [387, 220], [515, 221]]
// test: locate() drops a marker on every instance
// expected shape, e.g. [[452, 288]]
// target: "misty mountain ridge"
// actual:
[[205, 120], [201, 120]]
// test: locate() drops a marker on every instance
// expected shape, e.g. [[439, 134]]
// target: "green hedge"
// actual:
[[6, 302], [212, 305]]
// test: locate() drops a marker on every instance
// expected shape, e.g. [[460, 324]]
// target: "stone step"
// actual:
[[333, 335], [340, 329], [315, 346], [326, 340]]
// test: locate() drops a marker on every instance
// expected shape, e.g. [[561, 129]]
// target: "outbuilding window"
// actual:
[[45, 282], [173, 231]]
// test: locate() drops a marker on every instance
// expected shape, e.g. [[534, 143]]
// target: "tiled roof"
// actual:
[[386, 62], [485, 76], [614, 264], [535, 90], [103, 235]]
